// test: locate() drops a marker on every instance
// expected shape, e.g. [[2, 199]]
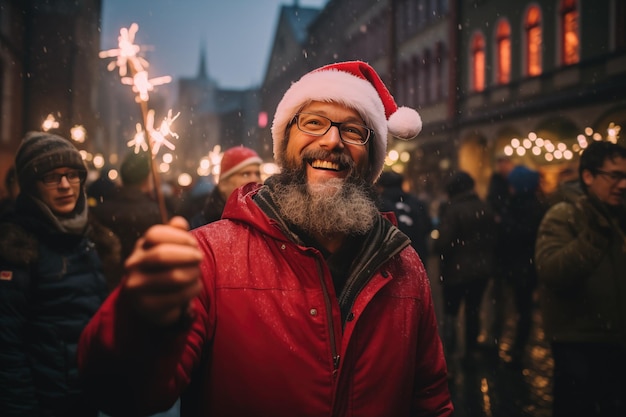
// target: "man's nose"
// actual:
[[332, 138]]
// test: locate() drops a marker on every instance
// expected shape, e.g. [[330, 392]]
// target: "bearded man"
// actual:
[[303, 300]]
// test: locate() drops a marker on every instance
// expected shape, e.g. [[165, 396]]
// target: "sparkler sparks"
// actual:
[[149, 139], [139, 140], [142, 85], [159, 136], [126, 52]]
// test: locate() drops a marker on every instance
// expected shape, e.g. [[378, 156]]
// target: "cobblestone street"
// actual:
[[487, 385]]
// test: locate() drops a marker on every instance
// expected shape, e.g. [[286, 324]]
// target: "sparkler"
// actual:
[[133, 72]]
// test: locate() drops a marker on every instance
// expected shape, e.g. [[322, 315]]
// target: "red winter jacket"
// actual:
[[268, 338]]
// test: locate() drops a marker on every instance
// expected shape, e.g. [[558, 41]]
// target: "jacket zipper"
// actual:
[[329, 318]]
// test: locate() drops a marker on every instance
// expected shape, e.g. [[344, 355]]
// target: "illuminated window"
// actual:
[[503, 48], [478, 62], [533, 41], [570, 43]]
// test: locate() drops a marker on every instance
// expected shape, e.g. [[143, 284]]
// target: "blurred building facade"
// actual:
[[214, 116], [48, 66], [536, 79], [486, 76]]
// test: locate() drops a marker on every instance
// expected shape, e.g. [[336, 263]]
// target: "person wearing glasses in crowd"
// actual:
[[580, 255], [302, 300], [52, 280]]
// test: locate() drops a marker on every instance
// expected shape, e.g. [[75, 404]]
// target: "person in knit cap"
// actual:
[[518, 232], [131, 209], [53, 261], [465, 247], [300, 300], [239, 166]]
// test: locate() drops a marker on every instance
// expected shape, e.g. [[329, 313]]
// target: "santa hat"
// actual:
[[237, 158], [356, 85]]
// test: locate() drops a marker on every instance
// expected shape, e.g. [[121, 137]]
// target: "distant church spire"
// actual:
[[202, 70]]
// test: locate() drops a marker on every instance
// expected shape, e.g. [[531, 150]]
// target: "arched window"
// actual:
[[503, 51], [478, 62], [533, 41], [570, 42]]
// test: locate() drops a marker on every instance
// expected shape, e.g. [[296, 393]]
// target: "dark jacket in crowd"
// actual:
[[520, 221], [128, 213], [466, 234], [411, 212], [51, 284], [212, 210]]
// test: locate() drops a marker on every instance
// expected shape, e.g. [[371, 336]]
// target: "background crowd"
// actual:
[[65, 244]]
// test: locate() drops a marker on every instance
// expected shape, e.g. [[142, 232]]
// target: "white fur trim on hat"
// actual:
[[248, 161]]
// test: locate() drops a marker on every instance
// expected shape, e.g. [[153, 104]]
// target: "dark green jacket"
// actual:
[[581, 264]]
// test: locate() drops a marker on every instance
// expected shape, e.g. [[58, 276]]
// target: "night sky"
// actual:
[[237, 35]]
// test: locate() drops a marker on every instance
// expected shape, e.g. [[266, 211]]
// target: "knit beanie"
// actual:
[[460, 182], [523, 180], [41, 152], [135, 168], [237, 158], [354, 84]]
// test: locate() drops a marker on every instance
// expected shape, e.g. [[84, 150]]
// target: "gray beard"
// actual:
[[342, 206]]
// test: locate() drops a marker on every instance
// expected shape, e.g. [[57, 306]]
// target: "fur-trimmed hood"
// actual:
[[20, 247]]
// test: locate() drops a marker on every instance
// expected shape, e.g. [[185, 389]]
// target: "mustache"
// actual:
[[339, 158]]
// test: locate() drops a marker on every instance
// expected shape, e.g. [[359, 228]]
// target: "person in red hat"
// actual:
[[239, 166], [302, 300]]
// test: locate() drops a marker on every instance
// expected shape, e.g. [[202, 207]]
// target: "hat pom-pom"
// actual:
[[405, 123]]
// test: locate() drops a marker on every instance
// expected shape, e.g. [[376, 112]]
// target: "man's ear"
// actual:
[[587, 177]]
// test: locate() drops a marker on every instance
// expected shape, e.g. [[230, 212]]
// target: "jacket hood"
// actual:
[[241, 208]]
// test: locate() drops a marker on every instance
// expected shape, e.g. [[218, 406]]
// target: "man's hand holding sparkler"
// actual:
[[163, 272]]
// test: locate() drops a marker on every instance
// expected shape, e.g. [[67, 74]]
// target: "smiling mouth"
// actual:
[[326, 165]]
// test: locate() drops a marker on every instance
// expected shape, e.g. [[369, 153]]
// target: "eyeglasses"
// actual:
[[349, 132], [614, 176], [73, 176]]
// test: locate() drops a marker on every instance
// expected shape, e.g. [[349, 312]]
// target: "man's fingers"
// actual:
[[179, 222], [161, 233], [161, 302], [165, 255], [166, 280]]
